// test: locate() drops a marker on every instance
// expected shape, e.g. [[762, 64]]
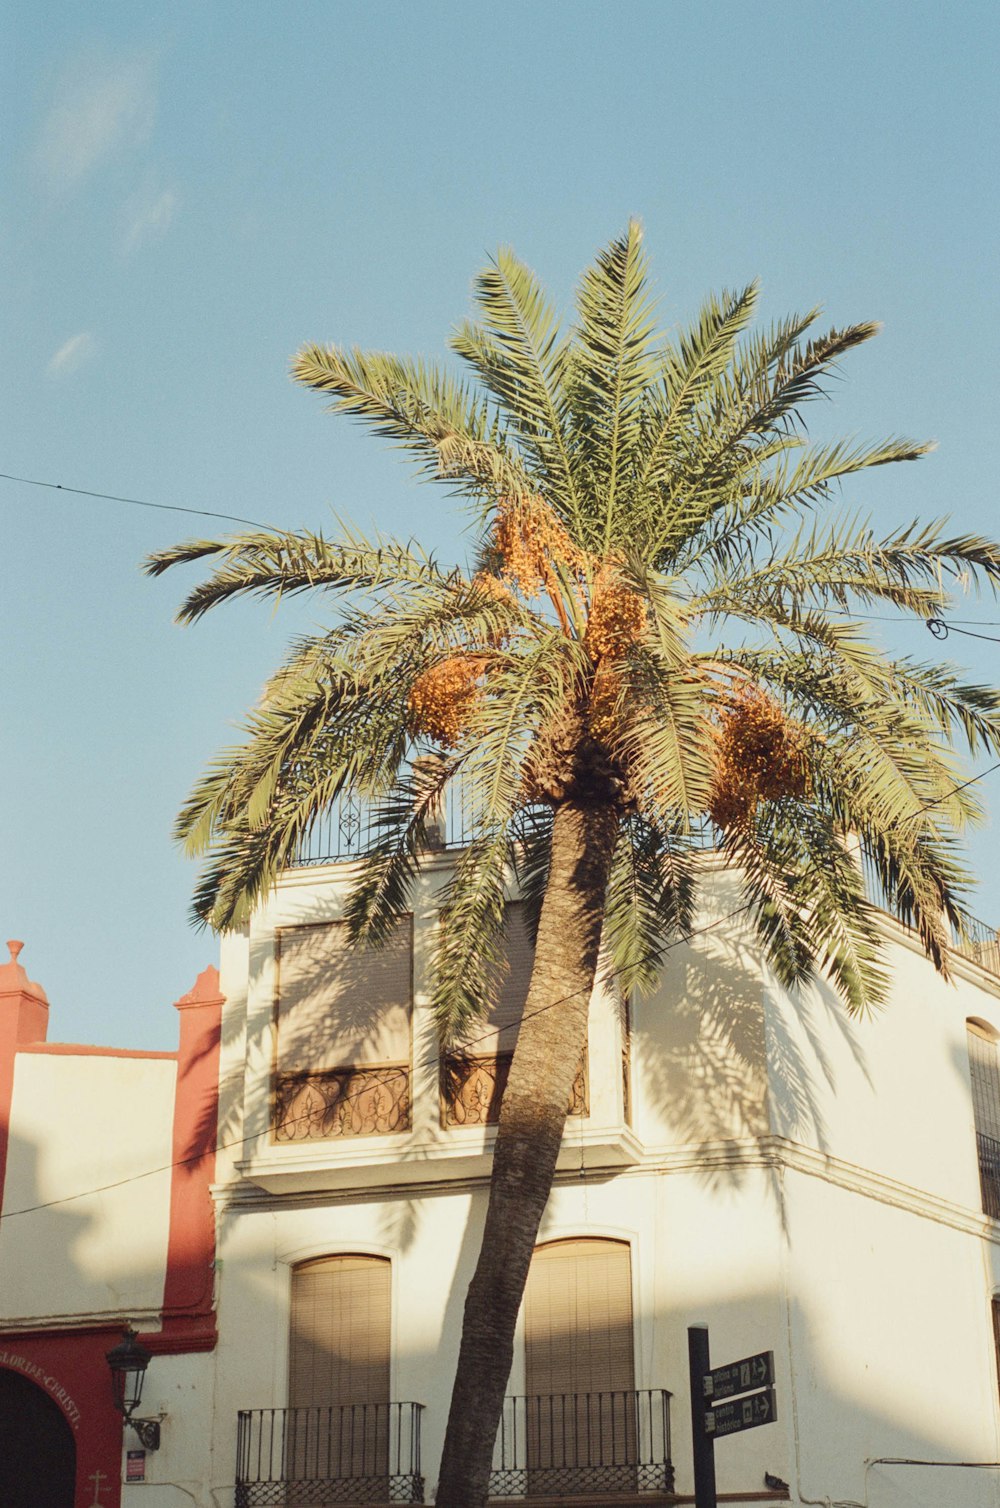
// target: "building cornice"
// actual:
[[765, 1152]]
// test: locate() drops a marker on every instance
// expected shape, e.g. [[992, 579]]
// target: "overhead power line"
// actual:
[[941, 628], [938, 626], [135, 502], [240, 1141]]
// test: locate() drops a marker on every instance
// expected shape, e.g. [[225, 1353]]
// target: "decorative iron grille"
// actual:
[[561, 1444], [312, 1457], [989, 1173], [472, 1088], [339, 1102]]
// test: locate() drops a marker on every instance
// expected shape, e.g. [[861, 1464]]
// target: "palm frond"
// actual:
[[521, 358], [389, 867], [531, 853], [469, 958], [277, 565], [650, 901], [449, 430], [688, 368], [613, 368]]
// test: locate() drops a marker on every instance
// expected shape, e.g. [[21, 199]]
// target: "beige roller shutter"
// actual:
[[497, 1032], [985, 1073], [340, 1004], [579, 1362], [338, 1370], [578, 1318]]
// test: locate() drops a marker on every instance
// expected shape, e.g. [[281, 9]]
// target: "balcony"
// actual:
[[472, 1088], [312, 1457], [612, 1445], [341, 1102], [989, 1173]]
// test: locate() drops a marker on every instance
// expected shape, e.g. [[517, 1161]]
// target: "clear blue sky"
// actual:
[[192, 191]]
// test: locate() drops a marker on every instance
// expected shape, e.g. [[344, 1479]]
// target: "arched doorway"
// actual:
[[37, 1449]]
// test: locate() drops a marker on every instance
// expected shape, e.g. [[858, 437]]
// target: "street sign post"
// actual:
[[716, 1408], [703, 1445], [740, 1376]]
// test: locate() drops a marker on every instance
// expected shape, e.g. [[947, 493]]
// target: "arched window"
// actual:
[[984, 1072], [580, 1367], [338, 1369]]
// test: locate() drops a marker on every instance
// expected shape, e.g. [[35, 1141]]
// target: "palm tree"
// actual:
[[658, 636]]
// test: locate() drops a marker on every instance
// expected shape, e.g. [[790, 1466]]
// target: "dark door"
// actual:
[[37, 1449]]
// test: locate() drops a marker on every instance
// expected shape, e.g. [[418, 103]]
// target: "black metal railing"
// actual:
[[561, 1444], [989, 1173], [977, 941], [311, 1457], [351, 826]]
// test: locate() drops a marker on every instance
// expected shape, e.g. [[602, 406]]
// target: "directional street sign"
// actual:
[[712, 1418], [741, 1413], [740, 1376]]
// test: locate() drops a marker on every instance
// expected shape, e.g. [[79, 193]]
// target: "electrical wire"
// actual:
[[912, 817], [347, 1098], [471, 1042], [136, 502], [940, 628], [952, 625]]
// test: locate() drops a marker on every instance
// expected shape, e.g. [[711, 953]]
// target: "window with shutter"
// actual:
[[473, 1078], [580, 1368], [343, 1015], [984, 1072], [338, 1370]]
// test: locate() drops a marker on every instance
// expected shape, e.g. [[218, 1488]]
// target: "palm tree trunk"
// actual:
[[532, 1116]]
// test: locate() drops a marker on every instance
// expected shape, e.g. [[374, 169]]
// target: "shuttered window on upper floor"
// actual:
[[343, 1018], [474, 1073], [340, 1003], [497, 1031], [984, 1069]]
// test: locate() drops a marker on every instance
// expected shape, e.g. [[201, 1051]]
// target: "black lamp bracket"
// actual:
[[148, 1431]]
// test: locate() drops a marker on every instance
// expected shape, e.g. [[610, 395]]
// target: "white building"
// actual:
[[804, 1184]]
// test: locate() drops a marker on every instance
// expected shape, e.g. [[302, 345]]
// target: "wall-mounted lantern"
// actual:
[[128, 1362]]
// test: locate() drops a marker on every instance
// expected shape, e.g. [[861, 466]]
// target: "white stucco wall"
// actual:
[[100, 1245]]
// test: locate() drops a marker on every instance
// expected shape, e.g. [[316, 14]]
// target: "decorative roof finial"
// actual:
[[14, 947]]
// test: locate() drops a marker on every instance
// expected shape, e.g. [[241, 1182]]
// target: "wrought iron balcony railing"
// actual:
[[472, 1088], [341, 1102], [989, 1173], [564, 1444], [312, 1457]]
